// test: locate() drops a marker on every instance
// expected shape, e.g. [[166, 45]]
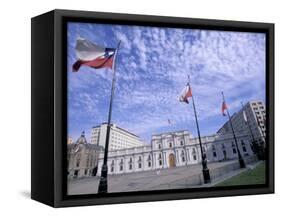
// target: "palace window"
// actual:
[[130, 164], [194, 157], [193, 151], [92, 159], [224, 153], [121, 165], [112, 166], [170, 144], [160, 162], [139, 162], [182, 156], [149, 161], [214, 154], [243, 146], [159, 145], [77, 163], [233, 148], [78, 160], [181, 143], [86, 171]]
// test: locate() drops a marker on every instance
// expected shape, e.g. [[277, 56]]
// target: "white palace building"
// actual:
[[180, 148], [128, 154]]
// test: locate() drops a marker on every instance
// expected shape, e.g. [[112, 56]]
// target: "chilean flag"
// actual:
[[92, 55], [185, 94], [223, 108]]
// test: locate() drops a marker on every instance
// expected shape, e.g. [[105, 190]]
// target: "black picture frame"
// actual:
[[49, 107]]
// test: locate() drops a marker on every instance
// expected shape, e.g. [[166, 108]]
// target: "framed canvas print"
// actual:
[[134, 108]]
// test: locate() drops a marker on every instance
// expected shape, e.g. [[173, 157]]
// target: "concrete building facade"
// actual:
[[255, 116]]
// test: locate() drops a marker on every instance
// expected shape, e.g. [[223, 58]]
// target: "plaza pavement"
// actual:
[[172, 178]]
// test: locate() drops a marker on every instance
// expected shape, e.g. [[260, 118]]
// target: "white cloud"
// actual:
[[152, 70]]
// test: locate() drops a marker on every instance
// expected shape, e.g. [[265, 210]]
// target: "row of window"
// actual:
[[86, 172], [149, 163], [234, 150], [89, 161], [131, 163], [193, 154], [170, 144]]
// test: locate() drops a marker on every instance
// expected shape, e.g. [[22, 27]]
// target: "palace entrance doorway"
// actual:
[[172, 161]]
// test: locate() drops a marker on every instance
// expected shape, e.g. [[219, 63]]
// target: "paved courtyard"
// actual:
[[172, 178]]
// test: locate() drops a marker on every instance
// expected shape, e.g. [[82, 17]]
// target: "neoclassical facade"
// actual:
[[82, 158], [175, 149]]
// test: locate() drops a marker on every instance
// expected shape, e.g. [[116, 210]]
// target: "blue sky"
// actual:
[[152, 67]]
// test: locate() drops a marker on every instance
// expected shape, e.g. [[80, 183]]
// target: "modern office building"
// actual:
[[119, 138], [250, 119]]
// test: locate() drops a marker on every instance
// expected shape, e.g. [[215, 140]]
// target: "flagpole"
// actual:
[[248, 124], [103, 188], [205, 170], [250, 129], [241, 160]]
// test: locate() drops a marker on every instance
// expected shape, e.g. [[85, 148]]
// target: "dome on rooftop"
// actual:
[[82, 139]]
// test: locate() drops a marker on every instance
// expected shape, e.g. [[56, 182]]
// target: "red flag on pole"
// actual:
[[223, 108], [92, 55], [186, 93]]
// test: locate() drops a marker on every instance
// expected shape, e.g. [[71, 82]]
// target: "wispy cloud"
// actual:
[[152, 68]]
